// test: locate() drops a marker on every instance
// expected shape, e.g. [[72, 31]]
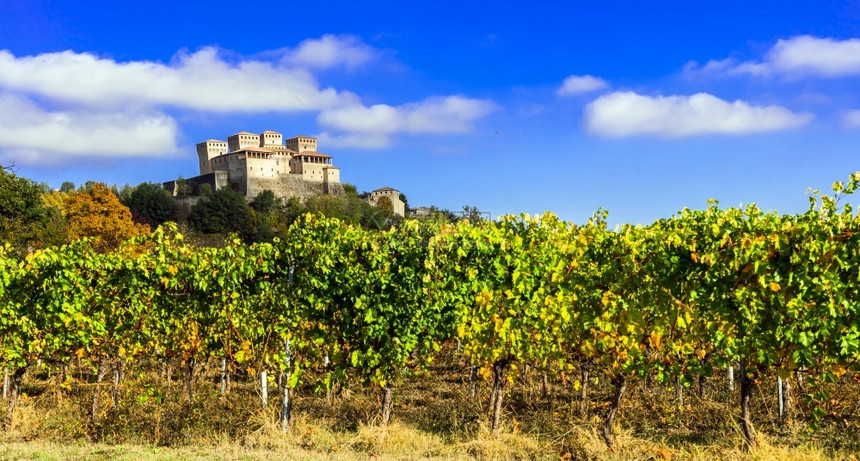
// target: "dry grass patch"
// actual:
[[434, 418]]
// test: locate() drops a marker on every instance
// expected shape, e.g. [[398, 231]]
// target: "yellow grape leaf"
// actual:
[[774, 287], [655, 340], [587, 349], [606, 301], [838, 369]]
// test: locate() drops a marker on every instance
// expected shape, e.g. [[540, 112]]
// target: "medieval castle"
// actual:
[[251, 163]]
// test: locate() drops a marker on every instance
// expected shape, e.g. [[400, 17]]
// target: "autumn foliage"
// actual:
[[99, 213]]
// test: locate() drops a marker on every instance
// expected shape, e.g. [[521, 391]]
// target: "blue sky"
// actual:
[[641, 108]]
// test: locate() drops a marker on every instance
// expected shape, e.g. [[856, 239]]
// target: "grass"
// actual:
[[435, 418]]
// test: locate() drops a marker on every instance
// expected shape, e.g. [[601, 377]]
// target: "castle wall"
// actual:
[[313, 172], [180, 187], [331, 174], [259, 167], [286, 186], [234, 165]]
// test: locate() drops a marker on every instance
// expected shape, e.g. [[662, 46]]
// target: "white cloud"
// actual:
[[851, 118], [578, 84], [200, 81], [117, 101], [801, 55], [331, 51], [355, 140], [434, 115], [712, 67], [30, 134], [627, 113]]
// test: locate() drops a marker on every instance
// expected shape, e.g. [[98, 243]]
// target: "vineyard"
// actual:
[[722, 298]]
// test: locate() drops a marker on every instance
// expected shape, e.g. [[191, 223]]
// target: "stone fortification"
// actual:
[[251, 163], [289, 186]]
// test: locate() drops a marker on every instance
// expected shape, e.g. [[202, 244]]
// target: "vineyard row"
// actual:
[[680, 298]]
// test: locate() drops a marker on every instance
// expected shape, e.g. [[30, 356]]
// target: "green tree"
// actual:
[[350, 189], [25, 220], [87, 186], [67, 187], [348, 208], [125, 194], [151, 204], [442, 215], [472, 214], [222, 212], [291, 211], [405, 202], [265, 202]]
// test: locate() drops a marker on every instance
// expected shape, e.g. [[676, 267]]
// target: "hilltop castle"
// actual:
[[251, 163], [265, 155]]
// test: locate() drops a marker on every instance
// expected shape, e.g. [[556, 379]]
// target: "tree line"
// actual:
[[34, 216]]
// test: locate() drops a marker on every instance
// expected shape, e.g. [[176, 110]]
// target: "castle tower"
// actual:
[[243, 140], [270, 138], [208, 149], [302, 144]]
